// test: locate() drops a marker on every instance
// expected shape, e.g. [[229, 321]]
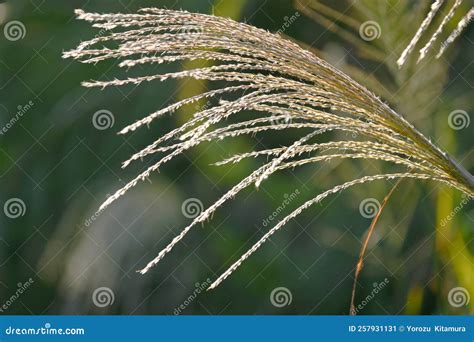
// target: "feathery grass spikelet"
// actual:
[[466, 20], [423, 27], [434, 37], [438, 31], [275, 79]]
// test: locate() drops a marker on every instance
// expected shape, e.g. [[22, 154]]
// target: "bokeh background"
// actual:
[[59, 167]]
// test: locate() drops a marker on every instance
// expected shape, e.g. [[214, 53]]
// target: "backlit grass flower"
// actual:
[[276, 80]]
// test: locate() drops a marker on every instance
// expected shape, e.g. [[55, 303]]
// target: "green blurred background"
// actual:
[[62, 168]]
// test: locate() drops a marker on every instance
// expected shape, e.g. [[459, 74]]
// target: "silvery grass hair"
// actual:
[[285, 85], [435, 6]]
